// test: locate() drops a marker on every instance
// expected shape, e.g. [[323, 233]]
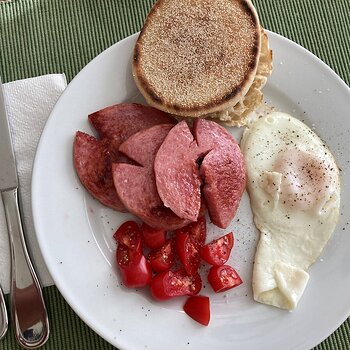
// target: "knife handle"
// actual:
[[29, 315]]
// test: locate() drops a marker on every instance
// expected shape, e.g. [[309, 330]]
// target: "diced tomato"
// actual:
[[129, 234], [197, 230], [169, 284], [218, 251], [134, 268], [187, 252], [222, 278], [198, 308], [163, 258], [153, 238]]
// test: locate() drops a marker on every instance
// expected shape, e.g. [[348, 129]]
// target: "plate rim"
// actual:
[[36, 216]]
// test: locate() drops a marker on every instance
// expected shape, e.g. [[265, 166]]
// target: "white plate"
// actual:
[[75, 231]]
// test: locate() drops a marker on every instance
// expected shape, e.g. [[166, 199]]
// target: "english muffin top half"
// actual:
[[196, 57]]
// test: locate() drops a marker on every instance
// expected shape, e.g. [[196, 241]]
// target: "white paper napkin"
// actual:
[[29, 103]]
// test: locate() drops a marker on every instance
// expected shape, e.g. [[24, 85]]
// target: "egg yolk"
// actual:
[[306, 179]]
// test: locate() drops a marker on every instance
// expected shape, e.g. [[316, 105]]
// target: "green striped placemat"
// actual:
[[53, 36]]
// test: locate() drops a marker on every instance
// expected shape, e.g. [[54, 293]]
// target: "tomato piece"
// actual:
[[222, 278], [129, 234], [134, 268], [187, 252], [198, 308], [218, 251], [197, 230], [153, 237], [163, 258], [169, 284]]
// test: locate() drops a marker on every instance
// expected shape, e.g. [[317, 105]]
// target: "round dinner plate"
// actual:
[[75, 231]]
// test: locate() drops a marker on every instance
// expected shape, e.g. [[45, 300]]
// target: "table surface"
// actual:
[[53, 36]]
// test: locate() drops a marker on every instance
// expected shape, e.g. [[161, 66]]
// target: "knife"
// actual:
[[28, 311]]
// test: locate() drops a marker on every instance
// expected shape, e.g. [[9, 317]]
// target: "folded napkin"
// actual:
[[29, 103]]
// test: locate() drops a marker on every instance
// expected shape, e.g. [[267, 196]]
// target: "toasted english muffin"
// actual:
[[238, 114], [197, 57]]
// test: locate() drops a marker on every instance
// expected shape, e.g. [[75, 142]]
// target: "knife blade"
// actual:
[[28, 311]]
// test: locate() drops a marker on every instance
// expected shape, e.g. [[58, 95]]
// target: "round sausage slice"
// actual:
[[93, 163], [93, 157], [177, 175], [222, 171], [122, 120], [136, 185]]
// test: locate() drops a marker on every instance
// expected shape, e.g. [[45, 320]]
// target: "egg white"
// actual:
[[294, 188]]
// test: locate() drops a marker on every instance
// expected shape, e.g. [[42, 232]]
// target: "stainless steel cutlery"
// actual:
[[28, 311]]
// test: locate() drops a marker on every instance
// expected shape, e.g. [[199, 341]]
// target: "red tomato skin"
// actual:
[[218, 251], [133, 266], [198, 308], [222, 278], [197, 230], [170, 284], [129, 234], [163, 258], [153, 238], [187, 252]]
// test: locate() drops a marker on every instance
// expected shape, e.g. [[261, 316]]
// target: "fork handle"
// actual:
[[29, 315]]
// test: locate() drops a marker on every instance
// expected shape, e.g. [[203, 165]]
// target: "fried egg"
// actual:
[[294, 189]]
